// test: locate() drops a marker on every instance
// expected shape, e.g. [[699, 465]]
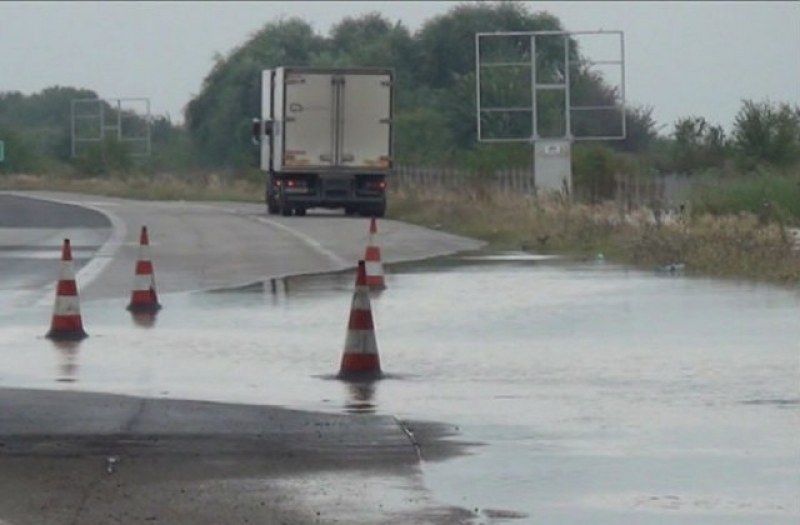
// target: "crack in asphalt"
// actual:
[[410, 435]]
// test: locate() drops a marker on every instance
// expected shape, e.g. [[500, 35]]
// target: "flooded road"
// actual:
[[593, 394]]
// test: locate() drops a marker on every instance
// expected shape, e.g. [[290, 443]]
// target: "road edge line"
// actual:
[[102, 257], [310, 242]]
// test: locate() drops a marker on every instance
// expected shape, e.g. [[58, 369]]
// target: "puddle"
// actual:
[[593, 387]]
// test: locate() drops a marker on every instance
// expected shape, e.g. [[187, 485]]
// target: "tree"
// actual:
[[698, 145], [767, 133], [421, 136], [20, 154], [45, 118], [640, 130], [447, 42], [594, 172], [219, 117], [447, 50], [434, 80], [373, 41]]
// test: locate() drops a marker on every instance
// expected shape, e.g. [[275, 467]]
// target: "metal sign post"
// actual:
[[532, 87]]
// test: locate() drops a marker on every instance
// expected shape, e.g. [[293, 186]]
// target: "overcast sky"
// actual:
[[682, 58]]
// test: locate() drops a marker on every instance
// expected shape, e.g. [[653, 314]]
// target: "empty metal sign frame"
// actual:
[[126, 120], [537, 85]]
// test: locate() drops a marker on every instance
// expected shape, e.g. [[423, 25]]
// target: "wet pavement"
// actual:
[[31, 235], [592, 393]]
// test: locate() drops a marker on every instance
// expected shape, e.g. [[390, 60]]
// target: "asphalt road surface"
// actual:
[[90, 458], [202, 245]]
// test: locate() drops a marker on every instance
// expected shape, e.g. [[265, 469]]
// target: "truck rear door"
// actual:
[[365, 103], [309, 128]]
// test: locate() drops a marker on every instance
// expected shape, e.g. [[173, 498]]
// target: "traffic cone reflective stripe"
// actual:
[[360, 364], [361, 320], [144, 268], [360, 358], [66, 288], [66, 324], [372, 258], [144, 297]]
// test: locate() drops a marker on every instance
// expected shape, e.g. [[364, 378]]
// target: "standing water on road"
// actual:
[[594, 394]]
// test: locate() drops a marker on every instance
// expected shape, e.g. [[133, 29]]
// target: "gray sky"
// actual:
[[682, 58]]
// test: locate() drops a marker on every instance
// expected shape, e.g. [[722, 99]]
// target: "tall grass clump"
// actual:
[[734, 246], [511, 221], [741, 245]]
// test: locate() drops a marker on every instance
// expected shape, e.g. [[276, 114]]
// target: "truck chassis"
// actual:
[[294, 193]]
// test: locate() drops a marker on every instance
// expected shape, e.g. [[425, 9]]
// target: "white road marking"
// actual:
[[302, 237], [48, 255], [102, 258], [310, 242]]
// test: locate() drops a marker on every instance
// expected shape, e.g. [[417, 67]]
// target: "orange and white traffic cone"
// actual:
[[143, 297], [66, 324], [375, 280], [360, 358]]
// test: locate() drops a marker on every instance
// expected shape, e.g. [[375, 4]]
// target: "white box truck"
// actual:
[[326, 139]]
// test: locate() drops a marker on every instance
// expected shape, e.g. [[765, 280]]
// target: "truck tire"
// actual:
[[300, 212], [283, 206], [272, 207]]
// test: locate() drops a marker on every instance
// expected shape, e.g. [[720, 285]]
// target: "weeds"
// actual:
[[736, 246], [196, 186]]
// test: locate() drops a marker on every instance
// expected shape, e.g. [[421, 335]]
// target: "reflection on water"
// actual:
[[144, 319], [68, 366], [359, 397], [295, 284]]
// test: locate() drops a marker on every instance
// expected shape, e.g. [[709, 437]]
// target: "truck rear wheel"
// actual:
[[285, 208], [272, 206], [300, 212]]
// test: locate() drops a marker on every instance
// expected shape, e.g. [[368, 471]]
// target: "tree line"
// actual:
[[435, 122]]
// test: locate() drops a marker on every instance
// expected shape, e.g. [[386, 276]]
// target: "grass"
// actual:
[[733, 246], [750, 193], [198, 186], [736, 245]]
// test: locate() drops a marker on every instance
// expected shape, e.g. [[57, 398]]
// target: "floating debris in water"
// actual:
[[672, 268], [111, 463]]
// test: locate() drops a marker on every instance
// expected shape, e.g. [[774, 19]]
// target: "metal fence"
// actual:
[[630, 190], [510, 180]]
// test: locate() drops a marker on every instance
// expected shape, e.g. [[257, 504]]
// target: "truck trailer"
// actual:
[[326, 139]]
